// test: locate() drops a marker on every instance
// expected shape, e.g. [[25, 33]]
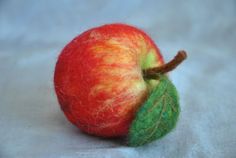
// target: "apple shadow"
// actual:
[[111, 142], [116, 141]]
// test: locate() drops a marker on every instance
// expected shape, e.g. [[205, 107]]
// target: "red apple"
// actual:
[[99, 80]]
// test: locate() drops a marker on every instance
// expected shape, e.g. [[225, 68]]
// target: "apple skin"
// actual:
[[98, 78]]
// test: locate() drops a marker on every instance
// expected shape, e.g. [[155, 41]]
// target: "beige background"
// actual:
[[32, 33]]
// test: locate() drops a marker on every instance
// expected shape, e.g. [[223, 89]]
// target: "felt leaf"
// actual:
[[157, 116]]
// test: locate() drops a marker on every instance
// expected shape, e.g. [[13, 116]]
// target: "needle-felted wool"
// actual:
[[98, 78], [110, 81], [157, 116]]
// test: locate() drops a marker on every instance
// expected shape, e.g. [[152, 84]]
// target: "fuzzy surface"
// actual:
[[157, 116], [98, 78], [33, 33]]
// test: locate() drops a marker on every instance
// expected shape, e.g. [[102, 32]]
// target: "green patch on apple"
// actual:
[[150, 61]]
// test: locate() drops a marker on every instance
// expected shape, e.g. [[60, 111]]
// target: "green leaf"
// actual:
[[157, 116]]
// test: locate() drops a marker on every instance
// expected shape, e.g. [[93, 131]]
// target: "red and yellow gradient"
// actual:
[[98, 78]]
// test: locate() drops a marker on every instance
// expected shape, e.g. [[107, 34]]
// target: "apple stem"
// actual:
[[153, 73]]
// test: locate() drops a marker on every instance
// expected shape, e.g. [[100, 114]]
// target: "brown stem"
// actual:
[[153, 73]]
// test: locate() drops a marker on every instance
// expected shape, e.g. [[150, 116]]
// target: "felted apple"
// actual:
[[110, 81]]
